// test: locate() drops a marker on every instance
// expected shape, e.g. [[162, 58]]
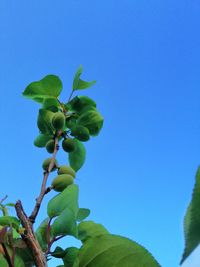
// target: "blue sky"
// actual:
[[139, 172]]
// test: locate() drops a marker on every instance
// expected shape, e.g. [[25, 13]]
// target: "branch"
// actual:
[[29, 237], [44, 190]]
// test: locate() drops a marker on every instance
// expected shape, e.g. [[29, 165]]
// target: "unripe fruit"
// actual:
[[80, 132], [61, 182], [50, 146], [68, 145], [46, 164], [58, 121], [66, 170]]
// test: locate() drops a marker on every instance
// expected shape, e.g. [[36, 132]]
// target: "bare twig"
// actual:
[[44, 190]]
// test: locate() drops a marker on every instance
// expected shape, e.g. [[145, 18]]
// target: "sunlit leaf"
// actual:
[[68, 198], [49, 86], [82, 214], [65, 224], [79, 84], [112, 250], [10, 221], [77, 77], [90, 229]]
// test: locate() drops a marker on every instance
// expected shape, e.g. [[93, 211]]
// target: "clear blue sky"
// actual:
[[145, 55]]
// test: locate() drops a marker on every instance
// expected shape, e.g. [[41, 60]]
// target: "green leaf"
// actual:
[[51, 104], [58, 252], [77, 77], [80, 104], [113, 250], [70, 257], [84, 85], [41, 234], [65, 224], [19, 262], [192, 221], [15, 234], [42, 140], [79, 84], [77, 157], [3, 261], [10, 221], [92, 120], [44, 122], [82, 214], [90, 229], [49, 86], [68, 198], [25, 254]]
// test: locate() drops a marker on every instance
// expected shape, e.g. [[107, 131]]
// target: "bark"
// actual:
[[29, 237]]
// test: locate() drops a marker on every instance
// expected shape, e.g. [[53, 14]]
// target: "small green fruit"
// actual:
[[81, 133], [64, 169], [46, 164], [68, 145], [61, 182], [50, 146], [58, 121]]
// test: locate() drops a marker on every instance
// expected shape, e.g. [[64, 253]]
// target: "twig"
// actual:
[[2, 200], [44, 190], [70, 95], [51, 243]]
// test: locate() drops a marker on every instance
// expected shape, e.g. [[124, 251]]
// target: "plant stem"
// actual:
[[2, 200], [70, 95], [27, 222], [44, 190], [51, 243]]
